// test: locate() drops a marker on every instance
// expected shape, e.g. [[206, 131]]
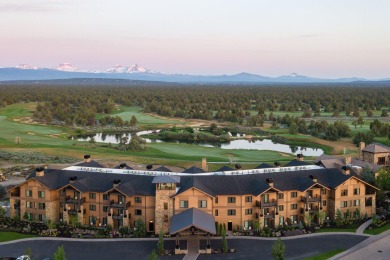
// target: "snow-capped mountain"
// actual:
[[66, 67], [132, 69], [26, 67]]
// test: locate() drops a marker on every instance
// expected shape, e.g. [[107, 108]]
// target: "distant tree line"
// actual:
[[80, 105]]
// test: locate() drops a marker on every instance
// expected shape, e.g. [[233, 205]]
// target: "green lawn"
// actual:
[[323, 230], [9, 236], [326, 255], [143, 119], [377, 231]]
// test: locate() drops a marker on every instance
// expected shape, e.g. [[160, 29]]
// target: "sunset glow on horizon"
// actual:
[[316, 38]]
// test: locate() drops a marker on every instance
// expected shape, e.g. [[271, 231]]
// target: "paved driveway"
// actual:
[[116, 249]]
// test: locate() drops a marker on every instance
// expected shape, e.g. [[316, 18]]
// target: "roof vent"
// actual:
[[270, 182], [345, 170], [40, 171], [238, 166], [313, 177], [122, 166], [149, 167], [87, 158], [116, 182]]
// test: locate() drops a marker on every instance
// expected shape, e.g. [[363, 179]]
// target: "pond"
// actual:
[[245, 144]]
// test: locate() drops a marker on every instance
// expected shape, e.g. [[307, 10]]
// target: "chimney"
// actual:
[[149, 167], [116, 182], [87, 158], [270, 182], [348, 160], [40, 171], [277, 164], [345, 170], [313, 177], [72, 179], [237, 166], [122, 166], [300, 157], [362, 145], [204, 164]]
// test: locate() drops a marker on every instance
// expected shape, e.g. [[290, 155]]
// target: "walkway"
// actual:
[[192, 247]]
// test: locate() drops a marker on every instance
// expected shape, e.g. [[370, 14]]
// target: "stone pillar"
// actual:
[[204, 164], [110, 220], [66, 216], [362, 145], [163, 196], [52, 210], [12, 210], [80, 215]]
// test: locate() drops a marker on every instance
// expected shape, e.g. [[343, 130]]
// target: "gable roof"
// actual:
[[264, 166], [377, 148], [295, 162], [166, 179], [224, 169], [193, 170], [193, 217], [92, 163], [162, 169]]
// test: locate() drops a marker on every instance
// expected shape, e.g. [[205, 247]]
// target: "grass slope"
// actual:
[[9, 236], [326, 255], [377, 231]]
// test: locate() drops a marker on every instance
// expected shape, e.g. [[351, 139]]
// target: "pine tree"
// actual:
[[133, 121], [60, 253], [160, 244], [278, 249], [224, 241]]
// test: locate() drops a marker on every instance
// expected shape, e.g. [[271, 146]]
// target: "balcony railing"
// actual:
[[119, 204], [316, 198], [118, 216], [72, 212], [74, 200], [269, 215], [15, 194]]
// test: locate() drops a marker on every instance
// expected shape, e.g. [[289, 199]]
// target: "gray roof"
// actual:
[[193, 217], [166, 179], [92, 163], [162, 169], [224, 169], [377, 148], [295, 162], [264, 166], [193, 170]]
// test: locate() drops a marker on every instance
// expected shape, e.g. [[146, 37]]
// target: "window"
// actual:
[[247, 225], [41, 217], [344, 192], [356, 202], [231, 212], [368, 202], [92, 196], [41, 206], [324, 203], [165, 206], [104, 221], [280, 196], [203, 204], [29, 204], [62, 192], [216, 212], [343, 204], [356, 191], [184, 204], [266, 198], [231, 199], [138, 200], [105, 196], [105, 208], [138, 212], [92, 220], [294, 206], [281, 221], [216, 200], [41, 194], [294, 219], [323, 191], [381, 160], [30, 216], [281, 208], [92, 207], [248, 211], [248, 198], [28, 193], [165, 218], [294, 194]]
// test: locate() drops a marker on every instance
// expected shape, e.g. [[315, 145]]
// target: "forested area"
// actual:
[[247, 105]]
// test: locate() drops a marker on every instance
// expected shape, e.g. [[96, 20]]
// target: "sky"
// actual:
[[332, 38]]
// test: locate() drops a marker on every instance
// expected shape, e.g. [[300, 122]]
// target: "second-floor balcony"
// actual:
[[269, 215], [268, 204], [119, 204], [74, 200], [121, 216], [72, 212], [315, 198], [15, 194]]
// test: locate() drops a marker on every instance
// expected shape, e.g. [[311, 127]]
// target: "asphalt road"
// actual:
[[116, 249]]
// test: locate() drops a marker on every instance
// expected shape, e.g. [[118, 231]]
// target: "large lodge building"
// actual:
[[92, 195]]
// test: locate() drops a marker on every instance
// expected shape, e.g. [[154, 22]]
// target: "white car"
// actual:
[[23, 257]]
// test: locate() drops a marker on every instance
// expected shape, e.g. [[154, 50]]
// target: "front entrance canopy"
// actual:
[[193, 218]]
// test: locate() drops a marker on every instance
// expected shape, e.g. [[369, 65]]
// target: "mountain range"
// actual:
[[136, 72]]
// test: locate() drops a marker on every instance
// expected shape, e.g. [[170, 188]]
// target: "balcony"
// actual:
[[15, 194], [269, 215], [118, 216], [72, 212], [119, 204], [316, 198], [75, 200]]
